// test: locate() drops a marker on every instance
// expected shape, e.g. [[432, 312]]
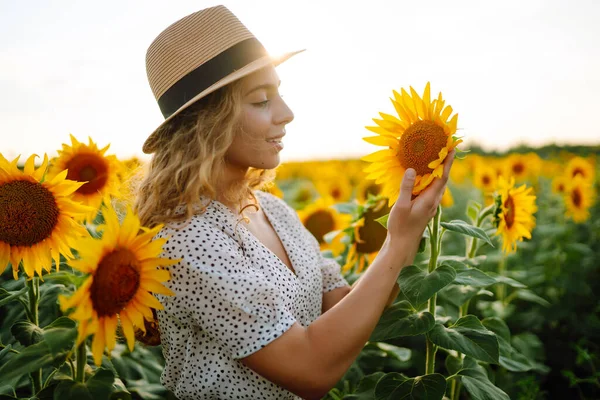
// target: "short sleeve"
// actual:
[[230, 301], [332, 275]]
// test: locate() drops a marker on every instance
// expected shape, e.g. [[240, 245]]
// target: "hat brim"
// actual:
[[149, 144]]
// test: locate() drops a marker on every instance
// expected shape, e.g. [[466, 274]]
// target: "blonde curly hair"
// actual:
[[190, 160]]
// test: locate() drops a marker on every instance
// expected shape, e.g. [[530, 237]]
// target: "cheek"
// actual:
[[256, 122]]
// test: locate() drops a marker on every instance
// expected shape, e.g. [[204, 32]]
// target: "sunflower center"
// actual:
[[89, 168], [518, 168], [336, 193], [116, 281], [373, 233], [373, 188], [578, 171], [576, 198], [28, 213], [486, 180], [319, 223], [509, 216], [421, 144]]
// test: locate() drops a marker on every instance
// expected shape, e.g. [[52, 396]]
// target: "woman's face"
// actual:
[[264, 117]]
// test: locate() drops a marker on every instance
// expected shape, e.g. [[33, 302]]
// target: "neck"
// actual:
[[231, 177]]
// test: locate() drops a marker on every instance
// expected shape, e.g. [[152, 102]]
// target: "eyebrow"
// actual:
[[263, 86]]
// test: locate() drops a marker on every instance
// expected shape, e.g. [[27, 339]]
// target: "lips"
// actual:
[[275, 139]]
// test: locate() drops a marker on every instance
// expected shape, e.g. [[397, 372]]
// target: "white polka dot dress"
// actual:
[[234, 296]]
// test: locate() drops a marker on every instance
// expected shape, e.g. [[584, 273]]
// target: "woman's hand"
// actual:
[[409, 217]]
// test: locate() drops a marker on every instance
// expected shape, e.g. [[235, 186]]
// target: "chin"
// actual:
[[269, 162]]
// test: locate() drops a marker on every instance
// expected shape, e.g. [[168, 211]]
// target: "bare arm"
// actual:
[[332, 297], [319, 355], [309, 361]]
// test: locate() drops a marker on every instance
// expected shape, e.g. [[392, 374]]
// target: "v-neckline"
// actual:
[[279, 234]]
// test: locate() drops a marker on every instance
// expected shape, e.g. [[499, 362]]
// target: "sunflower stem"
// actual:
[[435, 248], [501, 290], [34, 299], [81, 362]]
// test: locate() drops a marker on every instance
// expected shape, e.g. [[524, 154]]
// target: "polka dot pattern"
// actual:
[[233, 296]]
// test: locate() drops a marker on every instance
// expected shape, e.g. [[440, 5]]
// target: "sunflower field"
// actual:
[[501, 302]]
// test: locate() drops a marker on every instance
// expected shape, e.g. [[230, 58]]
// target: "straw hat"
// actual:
[[197, 55]]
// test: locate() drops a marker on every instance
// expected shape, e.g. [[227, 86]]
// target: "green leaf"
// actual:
[[26, 333], [401, 353], [528, 295], [400, 319], [453, 364], [477, 383], [28, 360], [328, 237], [509, 357], [464, 228], [459, 294], [6, 296], [395, 386], [473, 209], [469, 337], [418, 286], [55, 341], [71, 390], [99, 386], [346, 208], [65, 278], [366, 387], [466, 275], [505, 279], [383, 220]]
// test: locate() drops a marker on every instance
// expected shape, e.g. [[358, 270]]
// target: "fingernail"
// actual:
[[410, 173]]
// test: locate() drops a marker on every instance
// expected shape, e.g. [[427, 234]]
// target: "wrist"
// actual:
[[399, 251]]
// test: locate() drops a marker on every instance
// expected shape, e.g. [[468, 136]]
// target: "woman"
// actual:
[[258, 312]]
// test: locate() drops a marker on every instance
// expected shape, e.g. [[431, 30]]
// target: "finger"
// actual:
[[449, 162], [439, 185], [406, 188]]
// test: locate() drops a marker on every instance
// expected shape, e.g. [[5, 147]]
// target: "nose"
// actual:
[[284, 114]]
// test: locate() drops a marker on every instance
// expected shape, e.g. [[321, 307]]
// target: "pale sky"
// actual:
[[515, 71]]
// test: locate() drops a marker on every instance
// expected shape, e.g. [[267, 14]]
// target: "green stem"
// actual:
[[430, 347], [501, 290], [34, 299], [464, 309], [455, 389], [81, 362]]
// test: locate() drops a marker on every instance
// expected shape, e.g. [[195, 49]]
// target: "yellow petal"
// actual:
[[155, 287], [379, 155], [127, 326], [98, 344], [380, 140], [110, 330]]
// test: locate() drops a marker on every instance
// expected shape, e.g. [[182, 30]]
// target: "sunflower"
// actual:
[[559, 184], [580, 166], [579, 197], [320, 218], [368, 235], [513, 216], [484, 177], [86, 163], [37, 222], [123, 267], [420, 138], [366, 187], [272, 188], [522, 166], [339, 188], [447, 199]]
